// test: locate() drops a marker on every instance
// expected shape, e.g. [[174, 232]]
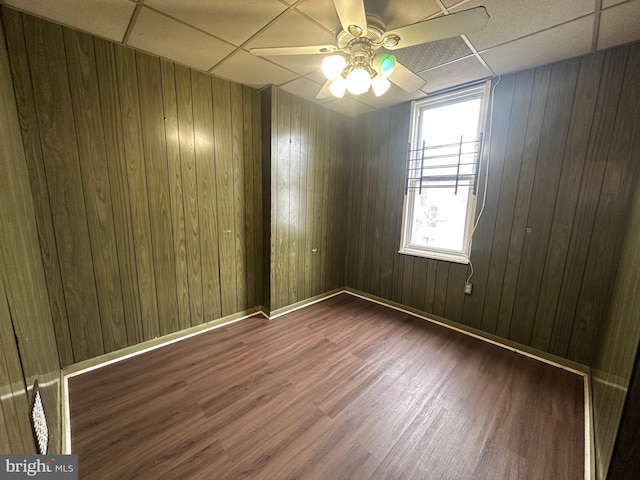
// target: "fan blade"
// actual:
[[438, 28], [307, 50], [324, 91], [351, 14], [406, 79]]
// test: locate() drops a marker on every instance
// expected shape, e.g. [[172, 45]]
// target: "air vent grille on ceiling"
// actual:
[[428, 55]]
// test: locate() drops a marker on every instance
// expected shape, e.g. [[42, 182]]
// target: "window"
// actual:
[[442, 174]]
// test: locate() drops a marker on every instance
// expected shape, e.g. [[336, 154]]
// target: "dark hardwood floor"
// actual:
[[343, 389]]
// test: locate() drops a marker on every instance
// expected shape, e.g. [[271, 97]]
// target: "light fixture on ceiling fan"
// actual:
[[358, 72], [355, 64]]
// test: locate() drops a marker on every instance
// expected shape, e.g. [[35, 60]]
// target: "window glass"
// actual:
[[444, 161]]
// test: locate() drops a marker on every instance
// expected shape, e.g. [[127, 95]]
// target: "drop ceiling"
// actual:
[[215, 36]]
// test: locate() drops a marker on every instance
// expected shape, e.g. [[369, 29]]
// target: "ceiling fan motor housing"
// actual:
[[374, 36]]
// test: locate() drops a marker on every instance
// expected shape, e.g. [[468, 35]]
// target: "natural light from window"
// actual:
[[438, 216]]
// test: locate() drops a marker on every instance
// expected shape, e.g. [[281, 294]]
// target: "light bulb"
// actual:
[[333, 65], [358, 81], [380, 85], [384, 64], [338, 86]]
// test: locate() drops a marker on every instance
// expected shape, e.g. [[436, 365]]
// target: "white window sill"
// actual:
[[435, 255]]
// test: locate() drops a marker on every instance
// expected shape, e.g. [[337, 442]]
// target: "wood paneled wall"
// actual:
[[625, 461], [28, 349], [618, 336], [546, 249], [146, 181], [308, 168]]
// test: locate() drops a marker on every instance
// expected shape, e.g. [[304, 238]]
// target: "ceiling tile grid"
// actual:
[[299, 64], [456, 73], [568, 40], [348, 106], [513, 19], [289, 30], [216, 36], [249, 16], [242, 67], [322, 11], [155, 33], [609, 3], [105, 18], [393, 96], [619, 24], [398, 13], [317, 76], [305, 88]]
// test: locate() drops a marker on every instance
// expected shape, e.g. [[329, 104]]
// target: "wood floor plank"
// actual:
[[344, 388]]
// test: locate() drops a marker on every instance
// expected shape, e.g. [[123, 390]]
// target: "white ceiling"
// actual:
[[216, 35]]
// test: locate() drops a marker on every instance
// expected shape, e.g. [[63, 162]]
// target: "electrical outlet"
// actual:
[[468, 287]]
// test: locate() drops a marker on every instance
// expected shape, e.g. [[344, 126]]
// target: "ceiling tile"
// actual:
[[304, 88], [317, 76], [301, 64], [156, 33], [512, 19], [609, 3], [347, 106], [619, 24], [398, 13], [323, 12], [291, 30], [393, 96], [520, 34], [559, 43], [428, 55], [394, 14], [104, 18], [242, 67], [229, 20], [454, 74]]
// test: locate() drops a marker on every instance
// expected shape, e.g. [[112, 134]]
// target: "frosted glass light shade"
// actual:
[[358, 81], [338, 86], [380, 85], [333, 65]]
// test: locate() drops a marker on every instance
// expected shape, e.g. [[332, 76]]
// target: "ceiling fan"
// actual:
[[354, 63]]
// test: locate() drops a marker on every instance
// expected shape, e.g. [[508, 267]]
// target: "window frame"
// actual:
[[482, 91]]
